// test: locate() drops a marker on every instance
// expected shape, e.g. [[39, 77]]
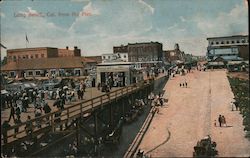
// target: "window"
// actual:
[[36, 55], [109, 57], [232, 41], [26, 56], [103, 57], [19, 57], [14, 58], [38, 73], [217, 42], [212, 43], [12, 74], [31, 56], [238, 41], [221, 42], [243, 41], [42, 55], [124, 56], [23, 57], [227, 42], [30, 73]]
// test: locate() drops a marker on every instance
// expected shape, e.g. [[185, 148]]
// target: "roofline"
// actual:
[[20, 49], [227, 36]]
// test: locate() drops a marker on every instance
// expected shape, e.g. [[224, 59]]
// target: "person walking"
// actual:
[[186, 84], [17, 121], [180, 84], [220, 120], [12, 113]]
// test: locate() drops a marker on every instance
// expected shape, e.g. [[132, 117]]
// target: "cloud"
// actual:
[[90, 9], [182, 19], [2, 15], [172, 27], [231, 23], [147, 5]]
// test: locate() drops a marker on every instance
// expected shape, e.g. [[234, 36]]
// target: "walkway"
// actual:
[[189, 116]]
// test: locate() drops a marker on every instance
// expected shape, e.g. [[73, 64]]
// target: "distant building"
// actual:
[[141, 52], [228, 48], [174, 56]]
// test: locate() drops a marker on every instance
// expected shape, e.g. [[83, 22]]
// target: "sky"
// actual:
[[95, 26]]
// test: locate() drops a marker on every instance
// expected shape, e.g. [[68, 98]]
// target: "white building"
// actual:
[[229, 48], [118, 57]]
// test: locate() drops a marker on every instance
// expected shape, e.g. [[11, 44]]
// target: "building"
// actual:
[[41, 67], [42, 61], [174, 56], [14, 55], [229, 48], [121, 57], [139, 52], [119, 73]]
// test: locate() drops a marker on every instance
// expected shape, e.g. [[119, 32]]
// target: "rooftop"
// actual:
[[234, 36]]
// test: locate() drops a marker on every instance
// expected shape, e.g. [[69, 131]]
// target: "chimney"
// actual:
[[67, 47], [75, 47]]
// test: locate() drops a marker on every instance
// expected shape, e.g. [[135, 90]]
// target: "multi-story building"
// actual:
[[46, 60], [40, 52], [141, 52], [228, 48]]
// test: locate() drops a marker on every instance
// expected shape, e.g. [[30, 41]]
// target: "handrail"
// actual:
[[84, 107]]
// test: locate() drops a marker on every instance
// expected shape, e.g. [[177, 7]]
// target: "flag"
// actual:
[[27, 40], [3, 46]]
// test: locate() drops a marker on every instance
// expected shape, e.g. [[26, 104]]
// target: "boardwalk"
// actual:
[[190, 115]]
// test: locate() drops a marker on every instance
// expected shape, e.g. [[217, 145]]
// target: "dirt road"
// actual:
[[189, 116]]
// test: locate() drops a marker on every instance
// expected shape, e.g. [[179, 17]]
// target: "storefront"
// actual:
[[118, 74]]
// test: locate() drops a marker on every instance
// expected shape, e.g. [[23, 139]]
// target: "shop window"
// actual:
[[30, 73], [38, 73]]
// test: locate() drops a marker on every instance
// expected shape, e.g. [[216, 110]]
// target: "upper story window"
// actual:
[[221, 42], [238, 41], [14, 58], [124, 56], [109, 57], [232, 41], [103, 57], [212, 43], [36, 55], [26, 56], [31, 56], [217, 42], [227, 42]]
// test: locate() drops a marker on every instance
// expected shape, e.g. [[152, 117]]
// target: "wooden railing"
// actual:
[[48, 121]]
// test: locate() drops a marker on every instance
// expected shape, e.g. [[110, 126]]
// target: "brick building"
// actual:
[[46, 60], [139, 52], [40, 52]]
